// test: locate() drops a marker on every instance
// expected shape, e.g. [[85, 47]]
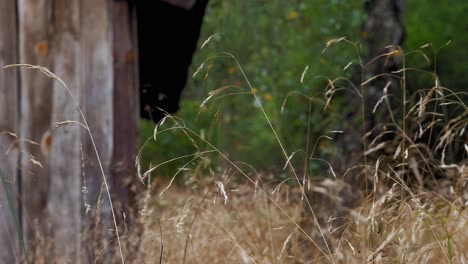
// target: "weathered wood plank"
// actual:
[[97, 86], [73, 38], [9, 245], [35, 110], [64, 202], [124, 176]]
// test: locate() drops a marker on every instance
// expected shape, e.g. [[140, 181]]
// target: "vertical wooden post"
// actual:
[[35, 110], [97, 87], [64, 201], [9, 245], [124, 178]]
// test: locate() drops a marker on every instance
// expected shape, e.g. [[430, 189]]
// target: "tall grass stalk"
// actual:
[[280, 144], [14, 217]]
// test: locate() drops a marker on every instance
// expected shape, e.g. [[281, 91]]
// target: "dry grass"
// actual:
[[201, 227], [395, 226], [412, 209]]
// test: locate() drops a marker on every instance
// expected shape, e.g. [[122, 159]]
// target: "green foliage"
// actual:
[[437, 23], [274, 41]]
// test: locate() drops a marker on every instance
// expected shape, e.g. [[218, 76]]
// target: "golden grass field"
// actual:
[[265, 225]]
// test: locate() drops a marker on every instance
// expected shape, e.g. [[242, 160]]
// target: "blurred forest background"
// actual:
[[274, 41]]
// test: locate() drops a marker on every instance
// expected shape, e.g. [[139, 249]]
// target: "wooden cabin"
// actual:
[[69, 108]]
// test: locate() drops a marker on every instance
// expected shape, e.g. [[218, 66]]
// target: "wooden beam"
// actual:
[[64, 202], [126, 113], [35, 110], [9, 242], [97, 84]]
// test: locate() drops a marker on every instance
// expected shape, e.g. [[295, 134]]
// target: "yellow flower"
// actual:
[[395, 53], [267, 97], [365, 34], [292, 15], [323, 145], [254, 90], [231, 69]]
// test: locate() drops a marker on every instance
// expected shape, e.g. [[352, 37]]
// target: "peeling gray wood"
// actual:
[[64, 202], [35, 105], [97, 87], [9, 243]]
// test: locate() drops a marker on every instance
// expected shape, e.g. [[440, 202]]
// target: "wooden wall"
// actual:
[[53, 168]]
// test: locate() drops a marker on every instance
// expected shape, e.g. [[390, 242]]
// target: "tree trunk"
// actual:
[[383, 27], [383, 32]]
